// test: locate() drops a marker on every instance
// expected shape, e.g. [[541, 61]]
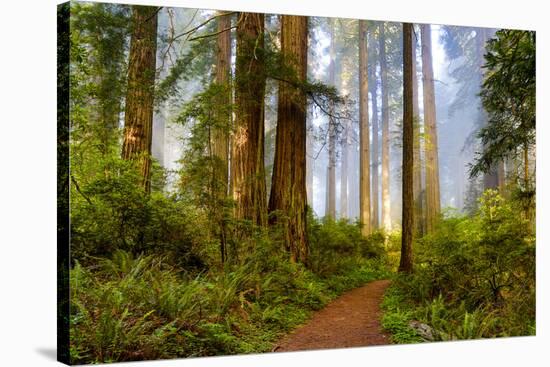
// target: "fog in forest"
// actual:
[[456, 127], [301, 164]]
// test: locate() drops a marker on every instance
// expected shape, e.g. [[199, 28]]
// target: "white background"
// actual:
[[28, 183]]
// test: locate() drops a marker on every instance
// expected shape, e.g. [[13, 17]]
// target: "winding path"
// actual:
[[351, 320]]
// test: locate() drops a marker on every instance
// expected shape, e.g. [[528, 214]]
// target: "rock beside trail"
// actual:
[[425, 331]]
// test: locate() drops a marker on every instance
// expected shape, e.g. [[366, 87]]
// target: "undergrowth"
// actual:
[[474, 277], [136, 307]]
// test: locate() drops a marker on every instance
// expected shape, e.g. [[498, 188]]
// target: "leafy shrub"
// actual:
[[329, 237], [110, 212], [475, 276]]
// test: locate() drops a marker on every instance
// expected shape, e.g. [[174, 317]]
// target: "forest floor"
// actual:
[[351, 320]]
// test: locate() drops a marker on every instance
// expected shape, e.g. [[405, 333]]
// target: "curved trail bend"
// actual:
[[351, 320]]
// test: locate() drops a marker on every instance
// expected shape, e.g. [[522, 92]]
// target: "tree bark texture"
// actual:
[[288, 199], [220, 134], [375, 152], [364, 144], [386, 204], [433, 206], [418, 171], [405, 264], [248, 171], [138, 118]]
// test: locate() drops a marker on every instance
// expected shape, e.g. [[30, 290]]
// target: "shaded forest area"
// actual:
[[231, 173]]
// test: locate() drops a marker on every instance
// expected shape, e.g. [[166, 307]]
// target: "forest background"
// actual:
[[37, 193]]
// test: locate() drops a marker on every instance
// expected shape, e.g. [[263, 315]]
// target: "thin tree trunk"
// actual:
[[288, 199], [220, 140], [386, 205], [375, 158], [220, 135], [417, 175], [344, 163], [310, 169], [406, 264], [248, 172], [138, 118], [344, 211], [331, 205], [433, 205], [364, 144]]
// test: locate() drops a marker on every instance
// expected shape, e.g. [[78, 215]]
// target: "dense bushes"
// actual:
[[474, 277], [148, 305]]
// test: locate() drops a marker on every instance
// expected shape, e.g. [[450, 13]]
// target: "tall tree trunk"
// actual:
[[248, 171], [310, 168], [406, 264], [373, 88], [433, 206], [344, 211], [386, 205], [220, 135], [288, 199], [331, 205], [364, 144], [138, 118], [417, 174], [344, 163]]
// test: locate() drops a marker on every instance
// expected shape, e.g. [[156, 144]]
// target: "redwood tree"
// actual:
[[364, 145], [418, 171], [407, 223], [247, 159], [220, 135], [386, 209], [138, 118], [331, 169], [375, 151], [288, 199], [433, 206]]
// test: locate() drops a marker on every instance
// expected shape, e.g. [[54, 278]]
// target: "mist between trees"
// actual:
[[218, 151]]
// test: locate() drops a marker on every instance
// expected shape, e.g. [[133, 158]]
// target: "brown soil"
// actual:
[[352, 320]]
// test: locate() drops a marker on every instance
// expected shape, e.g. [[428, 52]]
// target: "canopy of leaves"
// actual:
[[508, 95]]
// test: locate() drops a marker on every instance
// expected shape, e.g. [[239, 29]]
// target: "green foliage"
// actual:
[[397, 317], [111, 212], [508, 95], [143, 307], [328, 236], [474, 277]]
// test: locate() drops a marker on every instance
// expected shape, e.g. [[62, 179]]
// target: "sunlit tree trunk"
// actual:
[[364, 144], [417, 174], [375, 158], [138, 118], [220, 135], [248, 172], [331, 197], [386, 205], [407, 222], [432, 161], [344, 165], [288, 199]]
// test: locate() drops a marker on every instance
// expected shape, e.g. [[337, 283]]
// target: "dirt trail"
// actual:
[[352, 320]]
